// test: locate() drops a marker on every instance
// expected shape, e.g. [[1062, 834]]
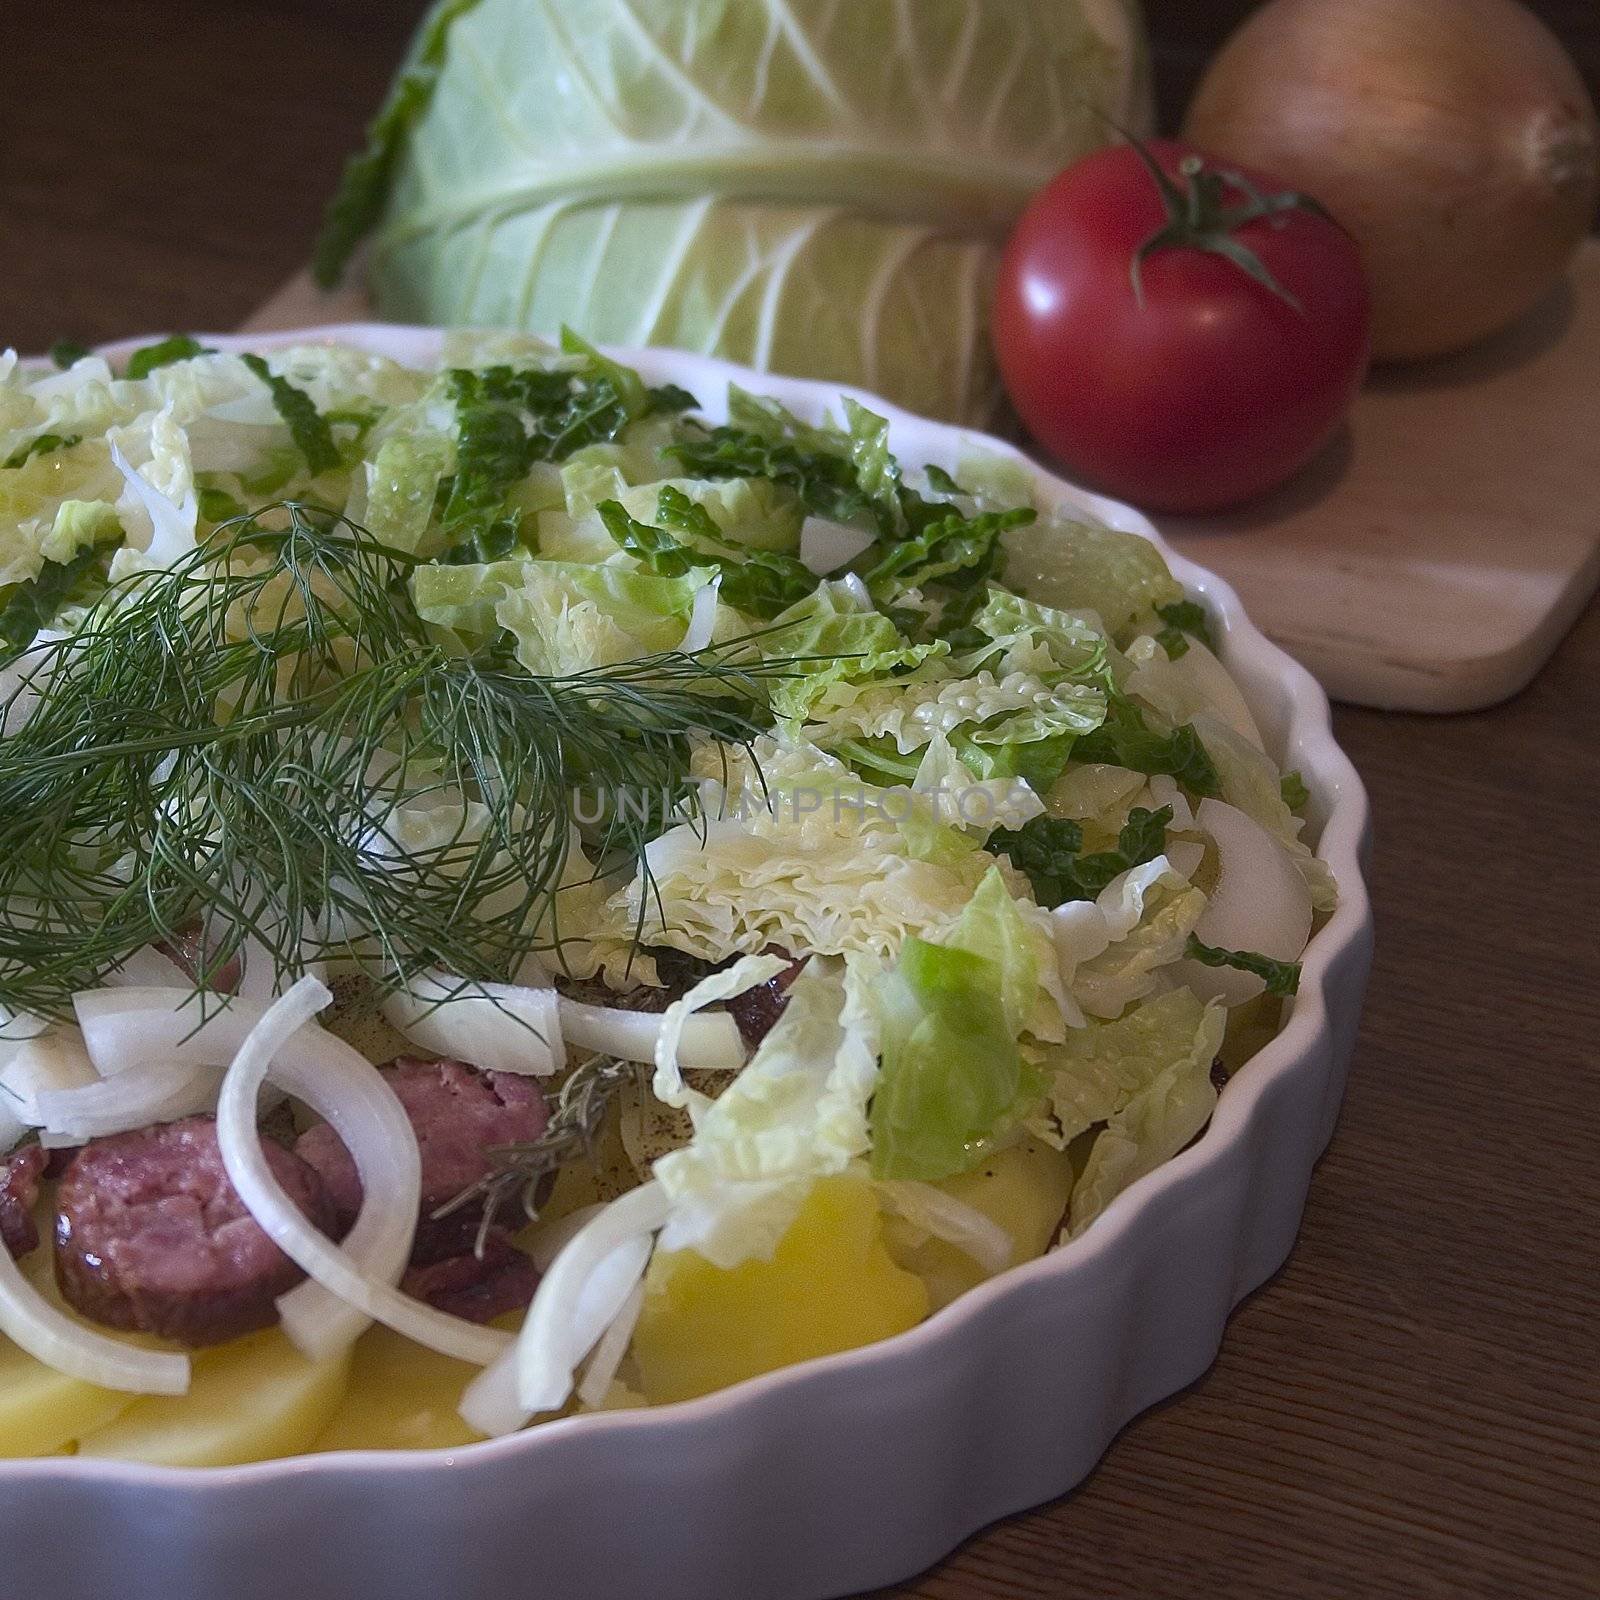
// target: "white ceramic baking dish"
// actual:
[[834, 1476]]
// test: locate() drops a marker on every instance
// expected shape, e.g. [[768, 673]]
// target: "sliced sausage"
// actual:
[[479, 1288], [754, 1011], [152, 1237], [758, 1009], [187, 951], [459, 1115], [20, 1176]]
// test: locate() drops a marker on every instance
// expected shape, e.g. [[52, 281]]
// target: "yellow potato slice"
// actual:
[[251, 1400], [1024, 1188], [43, 1411], [829, 1286], [400, 1397]]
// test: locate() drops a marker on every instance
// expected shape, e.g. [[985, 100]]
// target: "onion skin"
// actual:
[[1453, 138]]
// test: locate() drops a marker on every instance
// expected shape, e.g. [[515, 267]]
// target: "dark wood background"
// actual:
[[1411, 1407]]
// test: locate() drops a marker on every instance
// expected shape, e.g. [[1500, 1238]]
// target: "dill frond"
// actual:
[[241, 738]]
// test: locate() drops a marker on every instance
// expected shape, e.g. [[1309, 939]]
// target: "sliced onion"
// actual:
[[708, 1040], [127, 1029], [49, 1335], [598, 1376], [826, 545], [129, 1100], [493, 1402], [1186, 856], [489, 1404], [577, 1300], [855, 586], [582, 1293], [53, 1059], [957, 1223], [367, 1115], [1260, 903], [497, 1026], [702, 618], [554, 1237], [148, 968], [1213, 684], [668, 1085]]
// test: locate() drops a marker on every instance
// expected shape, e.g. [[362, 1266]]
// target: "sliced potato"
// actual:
[[400, 1397], [251, 1400], [42, 1411], [1025, 1189], [829, 1286]]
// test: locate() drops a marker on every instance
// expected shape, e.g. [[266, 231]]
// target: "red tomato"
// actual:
[[1217, 386]]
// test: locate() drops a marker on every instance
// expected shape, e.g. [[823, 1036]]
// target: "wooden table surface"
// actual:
[[1410, 1408]]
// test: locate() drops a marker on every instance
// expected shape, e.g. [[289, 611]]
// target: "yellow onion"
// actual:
[[1453, 138]]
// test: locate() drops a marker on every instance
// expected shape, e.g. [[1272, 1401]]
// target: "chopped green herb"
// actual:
[[1282, 978], [266, 816], [179, 347], [1047, 852], [307, 426], [1295, 794], [64, 352], [41, 445]]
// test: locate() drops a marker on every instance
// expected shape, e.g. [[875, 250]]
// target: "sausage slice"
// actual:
[[20, 1175], [152, 1237], [479, 1288], [459, 1115]]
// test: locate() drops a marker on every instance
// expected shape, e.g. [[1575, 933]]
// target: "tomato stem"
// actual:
[[1199, 218]]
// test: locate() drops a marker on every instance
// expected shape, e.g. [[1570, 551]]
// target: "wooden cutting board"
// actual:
[[1435, 556]]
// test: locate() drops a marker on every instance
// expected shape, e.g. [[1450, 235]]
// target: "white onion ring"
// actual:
[[49, 1335], [375, 1129], [598, 1376], [130, 1100], [709, 1040], [1260, 902], [139, 1026], [577, 1300], [958, 1224], [582, 1292], [500, 1027], [1213, 684]]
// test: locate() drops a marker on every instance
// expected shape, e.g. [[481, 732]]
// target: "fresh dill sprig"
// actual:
[[250, 738]]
